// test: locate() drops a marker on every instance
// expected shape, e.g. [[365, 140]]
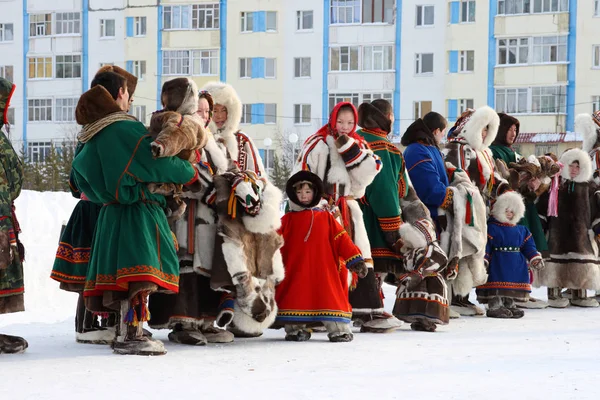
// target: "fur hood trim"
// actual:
[[180, 95], [470, 130], [585, 125], [506, 122], [585, 165], [268, 218], [508, 201], [131, 79], [304, 177], [94, 105], [225, 95]]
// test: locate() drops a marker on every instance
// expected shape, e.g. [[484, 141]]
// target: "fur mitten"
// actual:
[[360, 268], [537, 264]]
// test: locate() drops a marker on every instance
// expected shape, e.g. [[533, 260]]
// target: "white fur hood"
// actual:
[[585, 165], [508, 201], [225, 95], [584, 124], [471, 132]]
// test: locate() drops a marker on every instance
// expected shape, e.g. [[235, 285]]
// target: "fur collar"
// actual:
[[95, 104], [585, 165], [217, 156], [508, 201], [471, 133], [268, 218], [584, 124], [225, 95]]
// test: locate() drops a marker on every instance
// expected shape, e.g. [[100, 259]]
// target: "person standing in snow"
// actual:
[[508, 132], [133, 250], [315, 287], [73, 254], [12, 252]]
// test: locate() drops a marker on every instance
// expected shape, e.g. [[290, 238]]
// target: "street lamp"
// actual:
[[293, 138]]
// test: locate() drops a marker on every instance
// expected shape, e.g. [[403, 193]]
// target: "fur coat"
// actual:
[[573, 249], [589, 127]]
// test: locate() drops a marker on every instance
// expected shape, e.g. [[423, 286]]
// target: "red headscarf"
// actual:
[[330, 129]]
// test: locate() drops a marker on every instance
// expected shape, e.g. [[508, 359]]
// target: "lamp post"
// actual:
[[267, 142]]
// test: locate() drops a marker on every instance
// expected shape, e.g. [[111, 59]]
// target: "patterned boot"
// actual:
[[130, 334]]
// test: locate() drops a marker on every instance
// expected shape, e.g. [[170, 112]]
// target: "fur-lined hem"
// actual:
[[572, 274]]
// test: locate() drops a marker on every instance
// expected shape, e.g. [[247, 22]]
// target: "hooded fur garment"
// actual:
[[590, 130]]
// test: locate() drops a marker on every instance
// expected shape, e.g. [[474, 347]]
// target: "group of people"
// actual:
[[178, 225]]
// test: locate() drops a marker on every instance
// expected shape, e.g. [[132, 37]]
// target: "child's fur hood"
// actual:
[[508, 201]]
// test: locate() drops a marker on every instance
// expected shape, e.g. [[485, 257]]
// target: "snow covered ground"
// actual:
[[548, 354]]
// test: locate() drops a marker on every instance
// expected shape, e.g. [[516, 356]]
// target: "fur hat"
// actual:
[[304, 177], [225, 95], [585, 165], [95, 104], [131, 79], [508, 201], [471, 123], [589, 127], [506, 122], [180, 95]]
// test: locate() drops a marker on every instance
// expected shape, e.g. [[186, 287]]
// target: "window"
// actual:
[[467, 10], [304, 20], [344, 58], [7, 72], [68, 66], [271, 21], [302, 114], [247, 22], [511, 7], [424, 63], [378, 11], [246, 114], [205, 62], [463, 105], [335, 98], [595, 103], [65, 110], [245, 67], [140, 26], [345, 11], [547, 6], [378, 58], [269, 158], [512, 101], [302, 67], [420, 108], [176, 62], [40, 68], [205, 16], [176, 17], [596, 56], [369, 97], [40, 25], [513, 51], [547, 49], [39, 110], [38, 151], [270, 67], [424, 16], [139, 112], [11, 116], [549, 100], [270, 113], [68, 23], [6, 33], [543, 149], [597, 8], [107, 28], [139, 69], [467, 61]]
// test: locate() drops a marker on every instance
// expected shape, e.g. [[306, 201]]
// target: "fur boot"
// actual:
[[131, 340], [580, 299], [12, 344], [216, 335], [555, 300], [496, 308]]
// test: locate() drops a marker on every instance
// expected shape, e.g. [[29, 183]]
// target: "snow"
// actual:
[[548, 354]]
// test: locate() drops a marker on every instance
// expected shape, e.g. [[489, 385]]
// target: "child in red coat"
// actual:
[[317, 254]]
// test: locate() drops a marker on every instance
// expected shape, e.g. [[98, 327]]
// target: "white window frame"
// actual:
[[270, 114], [139, 112], [421, 22], [140, 26], [596, 8], [246, 22], [514, 7], [273, 66], [596, 56], [369, 97], [532, 100], [45, 61], [68, 60], [180, 15], [538, 6], [463, 61], [342, 8], [340, 52], [372, 53], [465, 16], [595, 103], [418, 108], [38, 151], [67, 23], [205, 14], [180, 59], [65, 109], [300, 114], [272, 14], [335, 98], [39, 110], [300, 15], [464, 104], [519, 104], [541, 92], [245, 68], [542, 49], [7, 72], [246, 114], [138, 69], [207, 62], [300, 65], [419, 64], [4, 29], [105, 28], [40, 25], [523, 44], [386, 5]]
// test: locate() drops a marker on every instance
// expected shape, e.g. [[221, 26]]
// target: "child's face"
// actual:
[[305, 194], [484, 133], [510, 214], [574, 169], [345, 122]]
